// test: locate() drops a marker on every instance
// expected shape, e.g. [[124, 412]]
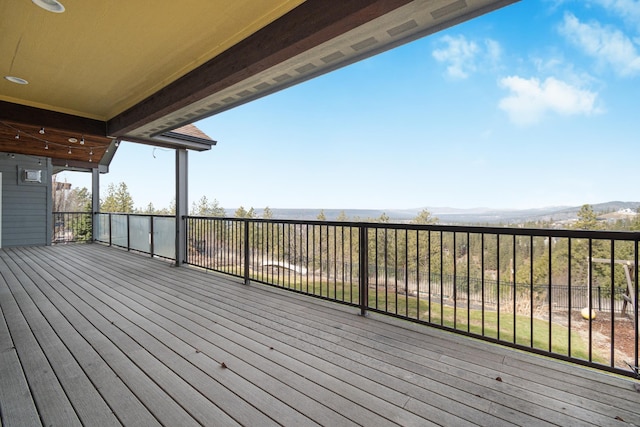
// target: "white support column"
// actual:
[[95, 201], [182, 203]]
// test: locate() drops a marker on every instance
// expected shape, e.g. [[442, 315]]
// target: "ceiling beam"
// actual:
[[77, 165], [167, 141], [307, 26], [18, 113]]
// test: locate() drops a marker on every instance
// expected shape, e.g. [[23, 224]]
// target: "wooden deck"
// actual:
[[91, 335]]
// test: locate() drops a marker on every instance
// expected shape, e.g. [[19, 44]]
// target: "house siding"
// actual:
[[26, 206]]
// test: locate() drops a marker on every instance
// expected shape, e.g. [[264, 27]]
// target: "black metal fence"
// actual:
[[532, 289], [71, 227], [565, 293]]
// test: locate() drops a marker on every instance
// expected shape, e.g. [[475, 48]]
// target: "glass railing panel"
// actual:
[[140, 229], [164, 237], [119, 230]]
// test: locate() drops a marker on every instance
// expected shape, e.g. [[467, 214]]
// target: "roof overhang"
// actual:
[[109, 72], [296, 48]]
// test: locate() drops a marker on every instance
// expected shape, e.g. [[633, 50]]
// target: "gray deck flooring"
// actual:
[[91, 335]]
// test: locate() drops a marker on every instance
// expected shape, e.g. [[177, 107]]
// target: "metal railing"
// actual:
[[568, 294], [71, 227], [533, 289]]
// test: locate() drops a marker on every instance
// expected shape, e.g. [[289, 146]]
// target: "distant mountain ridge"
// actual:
[[447, 215]]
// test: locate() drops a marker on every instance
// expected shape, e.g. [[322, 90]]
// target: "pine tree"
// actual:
[[216, 210], [587, 219], [205, 208], [425, 217], [201, 207], [384, 218], [118, 199], [241, 212]]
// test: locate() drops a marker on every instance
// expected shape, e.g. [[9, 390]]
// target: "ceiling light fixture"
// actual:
[[18, 135], [17, 80], [82, 141], [50, 5], [41, 131], [69, 152], [46, 145], [73, 140]]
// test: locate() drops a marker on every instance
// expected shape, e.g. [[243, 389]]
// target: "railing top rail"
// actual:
[[536, 232], [71, 212], [135, 214], [633, 236]]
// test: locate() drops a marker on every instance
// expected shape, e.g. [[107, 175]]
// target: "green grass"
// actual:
[[474, 321]]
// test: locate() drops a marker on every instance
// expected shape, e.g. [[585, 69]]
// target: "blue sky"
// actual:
[[534, 105]]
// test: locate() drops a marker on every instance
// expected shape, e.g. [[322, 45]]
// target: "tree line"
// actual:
[[118, 199], [518, 259]]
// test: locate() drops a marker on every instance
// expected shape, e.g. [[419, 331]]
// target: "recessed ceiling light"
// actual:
[[51, 5], [18, 80], [73, 140]]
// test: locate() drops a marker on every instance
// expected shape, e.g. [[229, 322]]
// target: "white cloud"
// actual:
[[608, 45], [494, 51], [629, 10], [460, 54], [530, 99], [464, 57]]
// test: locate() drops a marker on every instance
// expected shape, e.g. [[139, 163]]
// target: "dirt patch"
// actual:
[[623, 336]]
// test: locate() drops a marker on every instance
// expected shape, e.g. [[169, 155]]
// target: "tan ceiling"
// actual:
[[136, 69], [99, 58]]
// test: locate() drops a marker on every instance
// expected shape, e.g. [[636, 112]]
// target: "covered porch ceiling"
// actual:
[[137, 71]]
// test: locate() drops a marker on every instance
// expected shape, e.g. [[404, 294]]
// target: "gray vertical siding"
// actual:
[[26, 206]]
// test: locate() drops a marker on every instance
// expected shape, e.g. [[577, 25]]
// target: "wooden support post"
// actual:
[[181, 205], [95, 203]]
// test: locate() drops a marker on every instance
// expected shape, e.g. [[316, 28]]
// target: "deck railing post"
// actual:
[[151, 236], [246, 252], [110, 228], [128, 234], [363, 279]]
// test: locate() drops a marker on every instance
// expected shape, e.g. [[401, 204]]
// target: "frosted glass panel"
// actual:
[[164, 235], [103, 228], [119, 230], [139, 229]]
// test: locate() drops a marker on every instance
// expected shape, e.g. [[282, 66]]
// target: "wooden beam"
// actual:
[[173, 143], [74, 164], [53, 143], [46, 118], [182, 204], [307, 26]]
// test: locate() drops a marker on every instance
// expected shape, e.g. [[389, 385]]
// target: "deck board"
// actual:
[[49, 395], [172, 398], [91, 335], [330, 393], [17, 403]]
